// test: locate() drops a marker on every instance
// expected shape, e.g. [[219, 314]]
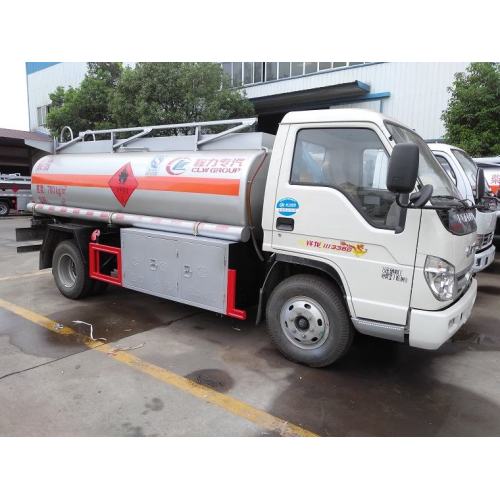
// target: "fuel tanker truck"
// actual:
[[343, 222]]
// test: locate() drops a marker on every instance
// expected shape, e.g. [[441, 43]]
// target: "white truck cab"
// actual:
[[404, 272], [463, 171]]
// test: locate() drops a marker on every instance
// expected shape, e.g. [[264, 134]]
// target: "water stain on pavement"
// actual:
[[156, 404], [114, 316], [218, 380], [36, 340], [132, 430]]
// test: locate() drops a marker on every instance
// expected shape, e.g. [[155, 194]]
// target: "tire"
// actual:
[[69, 271], [4, 208], [308, 321]]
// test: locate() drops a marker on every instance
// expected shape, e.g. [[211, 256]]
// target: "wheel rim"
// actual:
[[3, 209], [304, 322], [67, 271]]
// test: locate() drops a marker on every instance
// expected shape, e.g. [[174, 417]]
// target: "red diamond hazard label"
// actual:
[[123, 183]]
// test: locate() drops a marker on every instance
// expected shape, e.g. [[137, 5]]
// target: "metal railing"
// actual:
[[16, 178], [239, 124]]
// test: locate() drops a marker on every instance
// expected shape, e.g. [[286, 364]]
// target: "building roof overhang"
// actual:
[[310, 98]]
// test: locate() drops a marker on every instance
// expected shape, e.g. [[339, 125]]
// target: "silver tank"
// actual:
[[217, 186]]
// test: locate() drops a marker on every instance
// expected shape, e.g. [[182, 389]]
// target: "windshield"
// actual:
[[468, 165], [429, 170]]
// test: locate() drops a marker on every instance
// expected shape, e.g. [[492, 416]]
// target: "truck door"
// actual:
[[332, 205]]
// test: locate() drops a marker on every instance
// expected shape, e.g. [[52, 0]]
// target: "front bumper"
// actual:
[[483, 259], [431, 329]]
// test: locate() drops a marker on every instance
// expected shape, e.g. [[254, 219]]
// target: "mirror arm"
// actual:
[[409, 205], [400, 226], [398, 201]]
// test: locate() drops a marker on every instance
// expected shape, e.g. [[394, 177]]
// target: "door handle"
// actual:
[[285, 223]]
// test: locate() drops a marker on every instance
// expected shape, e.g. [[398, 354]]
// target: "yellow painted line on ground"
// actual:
[[25, 275], [227, 403], [36, 318]]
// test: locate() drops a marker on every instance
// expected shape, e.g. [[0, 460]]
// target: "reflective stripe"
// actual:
[[228, 187]]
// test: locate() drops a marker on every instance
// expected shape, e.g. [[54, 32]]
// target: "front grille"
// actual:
[[484, 240]]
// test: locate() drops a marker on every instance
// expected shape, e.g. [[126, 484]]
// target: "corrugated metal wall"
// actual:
[[418, 90], [43, 82]]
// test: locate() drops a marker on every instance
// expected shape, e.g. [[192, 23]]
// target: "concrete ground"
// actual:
[[54, 385]]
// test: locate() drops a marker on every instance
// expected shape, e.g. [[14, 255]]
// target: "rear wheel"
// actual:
[[69, 271], [308, 321], [4, 208]]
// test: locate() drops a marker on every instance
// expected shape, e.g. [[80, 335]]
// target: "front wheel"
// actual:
[[308, 321]]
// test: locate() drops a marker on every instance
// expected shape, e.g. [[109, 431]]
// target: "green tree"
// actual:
[[472, 119], [148, 94], [88, 106], [162, 93]]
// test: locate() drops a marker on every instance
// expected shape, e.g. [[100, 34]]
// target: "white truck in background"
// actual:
[[15, 193], [464, 173], [491, 167], [342, 222]]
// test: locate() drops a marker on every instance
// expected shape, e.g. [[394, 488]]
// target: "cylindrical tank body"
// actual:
[[221, 186]]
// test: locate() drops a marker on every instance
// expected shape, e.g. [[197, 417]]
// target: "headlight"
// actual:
[[440, 276]]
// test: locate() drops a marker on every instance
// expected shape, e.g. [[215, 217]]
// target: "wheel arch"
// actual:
[[55, 233], [284, 266]]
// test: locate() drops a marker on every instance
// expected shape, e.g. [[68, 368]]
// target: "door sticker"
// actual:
[[357, 249], [287, 207]]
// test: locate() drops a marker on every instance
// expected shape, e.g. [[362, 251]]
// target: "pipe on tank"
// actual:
[[209, 230]]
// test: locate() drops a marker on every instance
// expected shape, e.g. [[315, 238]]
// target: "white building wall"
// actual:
[[418, 90], [44, 82]]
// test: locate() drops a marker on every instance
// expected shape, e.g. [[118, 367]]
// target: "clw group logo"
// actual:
[[177, 166]]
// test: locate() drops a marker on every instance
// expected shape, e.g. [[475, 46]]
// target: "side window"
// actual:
[[446, 167], [352, 161]]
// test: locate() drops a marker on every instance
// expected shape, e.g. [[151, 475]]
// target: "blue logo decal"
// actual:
[[177, 166], [153, 167], [287, 206]]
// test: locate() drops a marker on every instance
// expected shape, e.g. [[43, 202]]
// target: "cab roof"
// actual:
[[338, 115], [441, 146]]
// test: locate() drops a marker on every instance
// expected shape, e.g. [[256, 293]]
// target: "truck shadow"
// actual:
[[386, 389]]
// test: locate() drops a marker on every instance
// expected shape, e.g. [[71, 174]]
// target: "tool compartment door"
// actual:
[[150, 263], [203, 274], [184, 268]]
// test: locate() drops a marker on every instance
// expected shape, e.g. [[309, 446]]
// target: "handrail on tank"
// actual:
[[66, 127], [240, 124]]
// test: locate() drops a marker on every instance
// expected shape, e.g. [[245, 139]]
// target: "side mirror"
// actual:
[[403, 168], [480, 184]]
